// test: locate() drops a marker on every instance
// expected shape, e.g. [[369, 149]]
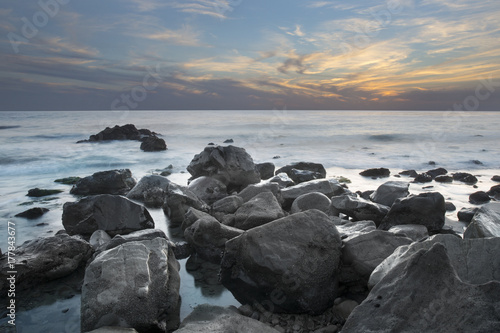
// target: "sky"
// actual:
[[250, 54]]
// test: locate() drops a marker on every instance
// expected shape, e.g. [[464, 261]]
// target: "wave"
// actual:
[[9, 127]]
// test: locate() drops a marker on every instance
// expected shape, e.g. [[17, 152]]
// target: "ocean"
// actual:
[[38, 147]]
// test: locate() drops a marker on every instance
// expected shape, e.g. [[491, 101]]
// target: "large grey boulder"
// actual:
[[485, 223], [134, 285], [208, 318], [179, 200], [313, 200], [232, 165], [388, 192], [43, 259], [426, 209], [474, 260], [118, 182], [358, 208], [227, 205], [112, 213], [328, 187], [208, 237], [288, 265], [252, 190], [136, 236], [192, 215], [426, 295], [151, 189], [208, 189], [263, 208], [415, 232], [315, 168]]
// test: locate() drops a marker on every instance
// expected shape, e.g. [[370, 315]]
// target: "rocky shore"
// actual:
[[298, 249]]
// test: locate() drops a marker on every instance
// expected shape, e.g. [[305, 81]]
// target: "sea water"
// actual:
[[38, 147]]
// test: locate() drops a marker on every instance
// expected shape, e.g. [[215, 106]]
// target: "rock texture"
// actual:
[[328, 187], [125, 132], [314, 168], [415, 232], [179, 200], [485, 223], [376, 173], [151, 189], [259, 210], [358, 208], [33, 213], [153, 143], [388, 192], [313, 200], [266, 170], [208, 189], [118, 182], [112, 213]]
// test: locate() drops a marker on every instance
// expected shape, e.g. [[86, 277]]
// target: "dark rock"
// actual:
[[423, 178], [476, 162], [125, 132], [444, 179], [182, 250], [465, 178], [266, 170], [376, 173], [441, 294], [228, 205], [495, 178], [179, 200], [450, 207], [111, 213], [313, 200], [229, 141], [304, 166], [466, 214], [479, 198], [99, 238], [409, 173], [282, 179], [33, 213], [388, 192], [437, 172], [353, 229], [134, 285], [425, 209], [252, 190], [44, 259], [151, 188], [118, 182], [233, 166], [136, 236], [37, 193], [359, 209], [485, 223], [365, 194], [68, 180], [276, 157], [431, 163], [153, 143], [494, 191], [328, 187], [192, 215], [208, 189], [415, 232], [259, 210], [301, 176], [289, 265], [427, 187]]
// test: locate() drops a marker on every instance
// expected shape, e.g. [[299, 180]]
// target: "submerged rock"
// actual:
[[465, 178], [118, 182], [485, 223], [376, 173], [32, 213], [153, 143], [68, 180], [479, 198], [37, 193]]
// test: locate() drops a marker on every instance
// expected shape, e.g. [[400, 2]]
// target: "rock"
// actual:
[[208, 189], [153, 143], [282, 179], [328, 187], [473, 259], [209, 318], [133, 285], [485, 223], [437, 172], [191, 216], [426, 209], [151, 189], [179, 200], [444, 179], [304, 166], [358, 208], [415, 232], [136, 236], [113, 329], [494, 191], [37, 193], [68, 180], [388, 192], [266, 170], [251, 191], [125, 132], [228, 205], [441, 294], [44, 259], [208, 237], [289, 265], [259, 210], [423, 178], [233, 166], [466, 214], [111, 213], [465, 178], [495, 178], [477, 162], [182, 250], [99, 238], [351, 229], [479, 198], [365, 194], [409, 173], [449, 206], [301, 176], [376, 173], [118, 182], [346, 307], [33, 213], [313, 200]]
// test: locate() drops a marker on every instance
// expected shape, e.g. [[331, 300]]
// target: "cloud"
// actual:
[[214, 8], [185, 36]]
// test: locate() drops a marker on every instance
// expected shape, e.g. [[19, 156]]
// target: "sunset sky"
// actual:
[[250, 54]]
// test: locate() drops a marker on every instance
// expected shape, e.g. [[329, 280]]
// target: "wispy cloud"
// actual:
[[186, 36], [215, 8]]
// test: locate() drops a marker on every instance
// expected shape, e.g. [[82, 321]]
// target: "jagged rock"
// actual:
[[479, 198], [290, 264], [301, 176], [358, 208], [259, 210], [44, 259], [153, 143], [208, 189], [426, 295], [415, 232], [252, 190], [426, 209], [179, 200], [133, 285], [227, 205], [192, 215], [328, 187], [266, 170], [112, 213], [304, 166], [125, 132], [37, 193], [313, 200], [388, 192], [151, 189], [485, 223], [32, 213], [232, 165], [282, 179], [466, 214], [118, 182], [376, 173], [465, 178]]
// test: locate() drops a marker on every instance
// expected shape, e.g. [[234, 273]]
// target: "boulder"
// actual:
[[192, 215], [125, 132], [289, 265], [208, 318], [232, 165], [136, 236], [266, 170], [474, 260], [151, 189], [415, 232], [495, 178], [479, 198], [351, 229], [112, 213], [153, 143], [282, 179], [426, 209], [444, 179], [314, 168], [358, 208], [252, 190], [227, 205], [423, 178], [449, 206], [134, 285], [99, 238], [466, 214], [388, 192], [301, 176], [328, 187], [208, 189], [437, 172], [376, 173], [259, 210], [409, 173], [37, 193], [427, 296], [465, 178], [494, 191], [313, 200], [118, 182], [33, 213], [179, 200], [208, 236], [485, 223], [44, 259]]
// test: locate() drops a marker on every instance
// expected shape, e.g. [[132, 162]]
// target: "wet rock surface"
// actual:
[[118, 182]]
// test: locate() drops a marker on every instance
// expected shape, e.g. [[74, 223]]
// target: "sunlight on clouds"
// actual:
[[185, 36]]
